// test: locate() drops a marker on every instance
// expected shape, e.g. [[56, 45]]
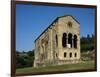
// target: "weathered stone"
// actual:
[[59, 43]]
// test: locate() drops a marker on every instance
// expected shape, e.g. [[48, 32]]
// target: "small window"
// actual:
[[56, 40], [64, 54], [70, 55], [75, 55], [69, 24], [56, 55]]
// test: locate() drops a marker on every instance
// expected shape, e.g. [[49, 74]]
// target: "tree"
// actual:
[[30, 53], [88, 36], [24, 59], [87, 43]]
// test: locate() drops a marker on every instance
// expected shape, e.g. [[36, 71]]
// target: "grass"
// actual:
[[67, 67]]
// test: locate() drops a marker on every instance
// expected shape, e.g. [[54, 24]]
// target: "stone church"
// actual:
[[59, 43]]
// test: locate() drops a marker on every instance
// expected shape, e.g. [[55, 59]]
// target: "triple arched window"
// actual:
[[70, 39]]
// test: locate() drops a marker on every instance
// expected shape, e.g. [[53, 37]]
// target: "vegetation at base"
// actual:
[[24, 59], [87, 43], [67, 67]]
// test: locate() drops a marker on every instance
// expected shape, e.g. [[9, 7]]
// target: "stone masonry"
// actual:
[[59, 43]]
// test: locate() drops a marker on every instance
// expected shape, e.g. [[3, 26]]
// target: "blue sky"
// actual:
[[31, 20]]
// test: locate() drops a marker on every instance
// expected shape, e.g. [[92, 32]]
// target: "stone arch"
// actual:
[[75, 41], [70, 39], [64, 40]]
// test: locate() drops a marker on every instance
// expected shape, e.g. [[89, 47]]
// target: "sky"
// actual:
[[32, 20]]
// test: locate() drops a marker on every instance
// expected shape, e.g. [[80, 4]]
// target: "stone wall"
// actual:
[[59, 44]]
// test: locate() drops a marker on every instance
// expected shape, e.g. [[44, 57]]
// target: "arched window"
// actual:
[[70, 55], [70, 39], [56, 40], [64, 54], [75, 41], [64, 39], [75, 55]]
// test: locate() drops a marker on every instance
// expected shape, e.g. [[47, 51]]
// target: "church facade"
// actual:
[[59, 43]]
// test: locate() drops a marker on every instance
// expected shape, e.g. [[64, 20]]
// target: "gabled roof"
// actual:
[[53, 25], [70, 16]]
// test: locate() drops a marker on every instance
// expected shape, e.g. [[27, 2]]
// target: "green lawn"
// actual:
[[67, 67]]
